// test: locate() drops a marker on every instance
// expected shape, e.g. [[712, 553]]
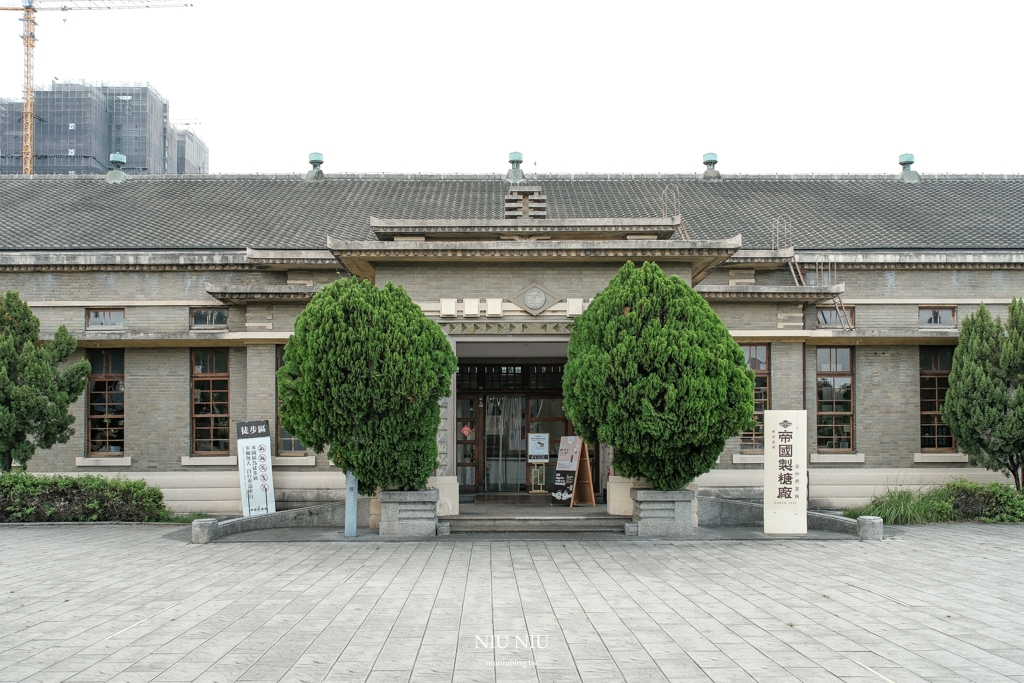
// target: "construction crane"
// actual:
[[28, 9]]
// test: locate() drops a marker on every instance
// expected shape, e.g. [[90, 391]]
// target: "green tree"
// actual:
[[654, 373], [34, 392], [362, 376], [985, 404]]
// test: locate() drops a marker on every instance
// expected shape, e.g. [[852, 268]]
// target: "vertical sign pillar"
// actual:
[[351, 504], [254, 467], [785, 471]]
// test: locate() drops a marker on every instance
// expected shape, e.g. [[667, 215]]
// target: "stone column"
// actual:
[[662, 513], [408, 513]]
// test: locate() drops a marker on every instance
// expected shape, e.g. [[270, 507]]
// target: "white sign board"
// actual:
[[254, 467], [785, 472], [538, 448]]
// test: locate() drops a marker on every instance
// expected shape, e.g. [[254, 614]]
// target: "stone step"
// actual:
[[535, 524]]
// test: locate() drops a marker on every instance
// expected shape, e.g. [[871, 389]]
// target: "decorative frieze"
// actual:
[[451, 328]]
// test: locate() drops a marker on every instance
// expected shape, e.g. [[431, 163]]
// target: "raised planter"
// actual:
[[662, 513], [619, 502], [408, 513]]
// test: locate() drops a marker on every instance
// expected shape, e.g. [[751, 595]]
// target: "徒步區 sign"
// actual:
[[255, 472]]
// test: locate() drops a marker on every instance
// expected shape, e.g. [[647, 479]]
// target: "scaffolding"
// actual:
[[79, 125]]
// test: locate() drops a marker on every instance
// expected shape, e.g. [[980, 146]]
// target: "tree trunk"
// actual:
[[5, 461]]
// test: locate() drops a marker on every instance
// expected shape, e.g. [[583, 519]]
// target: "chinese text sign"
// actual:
[[254, 467], [785, 472]]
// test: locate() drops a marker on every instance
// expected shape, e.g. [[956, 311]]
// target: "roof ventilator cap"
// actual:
[[908, 176], [314, 174], [515, 174], [116, 176], [710, 159]]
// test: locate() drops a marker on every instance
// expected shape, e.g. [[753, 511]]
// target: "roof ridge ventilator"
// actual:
[[908, 176], [523, 201], [710, 159], [316, 159], [116, 176]]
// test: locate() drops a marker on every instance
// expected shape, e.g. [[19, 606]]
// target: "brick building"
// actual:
[[845, 291]]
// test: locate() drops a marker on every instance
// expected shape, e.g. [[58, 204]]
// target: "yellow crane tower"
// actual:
[[28, 9]]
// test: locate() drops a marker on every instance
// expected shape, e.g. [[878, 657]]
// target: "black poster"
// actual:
[[564, 484], [565, 470]]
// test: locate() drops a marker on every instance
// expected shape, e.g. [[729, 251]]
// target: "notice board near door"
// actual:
[[573, 483]]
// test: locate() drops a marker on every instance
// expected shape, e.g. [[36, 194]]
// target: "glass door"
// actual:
[[505, 443], [467, 447]]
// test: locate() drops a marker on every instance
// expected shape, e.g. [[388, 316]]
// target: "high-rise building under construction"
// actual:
[[78, 126]]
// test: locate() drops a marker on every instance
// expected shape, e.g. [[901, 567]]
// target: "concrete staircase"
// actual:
[[533, 519]]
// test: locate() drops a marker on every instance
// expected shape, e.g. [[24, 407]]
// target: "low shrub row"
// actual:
[[61, 498], [956, 501]]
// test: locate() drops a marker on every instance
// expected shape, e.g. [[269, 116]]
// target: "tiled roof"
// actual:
[[283, 212]]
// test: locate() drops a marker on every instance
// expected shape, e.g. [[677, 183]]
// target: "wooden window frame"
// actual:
[[851, 373], [107, 377], [218, 326], [850, 314], [749, 441], [194, 377], [281, 452], [930, 326], [100, 328], [933, 374]]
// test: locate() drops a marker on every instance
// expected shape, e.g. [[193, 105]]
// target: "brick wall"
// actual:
[[429, 282], [131, 285], [888, 405], [785, 383]]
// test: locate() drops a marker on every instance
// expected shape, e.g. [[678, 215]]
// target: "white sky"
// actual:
[[772, 87]]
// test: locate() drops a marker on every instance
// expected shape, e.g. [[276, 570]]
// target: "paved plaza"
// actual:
[[137, 603]]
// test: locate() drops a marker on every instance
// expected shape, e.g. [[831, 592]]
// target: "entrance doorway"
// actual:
[[497, 405]]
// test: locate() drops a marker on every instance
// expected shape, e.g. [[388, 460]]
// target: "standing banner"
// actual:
[[569, 448], [785, 472], [254, 468]]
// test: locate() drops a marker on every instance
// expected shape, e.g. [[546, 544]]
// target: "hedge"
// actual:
[[956, 501], [62, 498]]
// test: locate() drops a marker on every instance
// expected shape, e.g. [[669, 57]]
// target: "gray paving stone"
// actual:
[[608, 610]]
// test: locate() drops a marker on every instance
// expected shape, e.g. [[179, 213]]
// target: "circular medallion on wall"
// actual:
[[534, 298]]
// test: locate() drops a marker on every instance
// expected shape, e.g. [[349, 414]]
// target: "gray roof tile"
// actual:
[[282, 212]]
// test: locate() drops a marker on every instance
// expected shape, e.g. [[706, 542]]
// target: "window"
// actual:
[[210, 416], [205, 318], [104, 318], [830, 317], [937, 317], [936, 362], [835, 398], [758, 360], [286, 443], [106, 401]]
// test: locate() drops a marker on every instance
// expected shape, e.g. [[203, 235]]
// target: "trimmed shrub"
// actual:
[[956, 501], [363, 375], [90, 498], [984, 406], [653, 372]]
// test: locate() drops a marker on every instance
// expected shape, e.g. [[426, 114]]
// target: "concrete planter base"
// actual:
[[408, 513], [662, 513], [619, 502]]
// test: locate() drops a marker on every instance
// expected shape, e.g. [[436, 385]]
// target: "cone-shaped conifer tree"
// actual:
[[362, 376], [654, 373], [985, 403], [34, 392]]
